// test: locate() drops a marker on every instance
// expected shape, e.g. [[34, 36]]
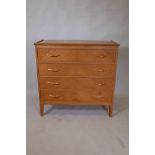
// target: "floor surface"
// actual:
[[68, 130]]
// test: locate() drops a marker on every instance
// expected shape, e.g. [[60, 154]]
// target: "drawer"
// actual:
[[103, 70], [49, 55], [76, 97], [76, 83]]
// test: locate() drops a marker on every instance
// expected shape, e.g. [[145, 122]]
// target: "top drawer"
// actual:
[[53, 55]]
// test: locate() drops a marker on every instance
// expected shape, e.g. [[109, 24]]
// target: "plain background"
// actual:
[[78, 20]]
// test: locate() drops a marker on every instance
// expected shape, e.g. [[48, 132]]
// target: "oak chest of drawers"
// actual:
[[76, 72]]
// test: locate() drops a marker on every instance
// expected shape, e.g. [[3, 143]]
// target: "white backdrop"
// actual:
[[78, 20]]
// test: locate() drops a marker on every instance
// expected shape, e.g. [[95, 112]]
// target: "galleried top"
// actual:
[[76, 42]]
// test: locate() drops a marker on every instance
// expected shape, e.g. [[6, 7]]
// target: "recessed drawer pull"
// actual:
[[101, 84], [54, 96], [99, 96], [101, 70], [102, 56], [54, 56], [53, 83], [53, 70]]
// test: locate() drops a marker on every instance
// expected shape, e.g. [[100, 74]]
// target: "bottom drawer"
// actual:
[[76, 97]]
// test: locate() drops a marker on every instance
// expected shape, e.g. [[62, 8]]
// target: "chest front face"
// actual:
[[76, 74]]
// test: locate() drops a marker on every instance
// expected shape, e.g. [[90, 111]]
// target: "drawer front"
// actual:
[[49, 55], [76, 83], [73, 97], [77, 70]]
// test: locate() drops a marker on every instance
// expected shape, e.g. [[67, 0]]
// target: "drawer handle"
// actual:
[[99, 96], [53, 83], [53, 70], [54, 56], [101, 84], [102, 56], [101, 70], [54, 96]]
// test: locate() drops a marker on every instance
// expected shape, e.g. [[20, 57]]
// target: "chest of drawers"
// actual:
[[76, 72]]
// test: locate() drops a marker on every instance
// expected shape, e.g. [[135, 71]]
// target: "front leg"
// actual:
[[41, 108], [110, 110]]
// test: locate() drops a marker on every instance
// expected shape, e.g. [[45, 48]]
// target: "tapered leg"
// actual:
[[110, 110], [41, 108]]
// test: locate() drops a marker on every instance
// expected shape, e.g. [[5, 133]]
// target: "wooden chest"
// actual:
[[76, 72]]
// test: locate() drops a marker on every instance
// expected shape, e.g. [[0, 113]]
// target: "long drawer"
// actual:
[[76, 83], [73, 97], [103, 70], [50, 55]]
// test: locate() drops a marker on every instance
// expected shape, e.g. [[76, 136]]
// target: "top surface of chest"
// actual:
[[75, 43]]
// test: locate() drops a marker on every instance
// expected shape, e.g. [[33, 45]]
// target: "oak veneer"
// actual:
[[76, 72], [97, 70], [49, 55], [76, 83]]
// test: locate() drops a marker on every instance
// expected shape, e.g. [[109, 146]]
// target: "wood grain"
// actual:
[[72, 97], [100, 70], [50, 55], [76, 83]]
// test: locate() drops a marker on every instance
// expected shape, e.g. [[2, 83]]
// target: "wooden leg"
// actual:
[[104, 107], [41, 108], [110, 110]]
